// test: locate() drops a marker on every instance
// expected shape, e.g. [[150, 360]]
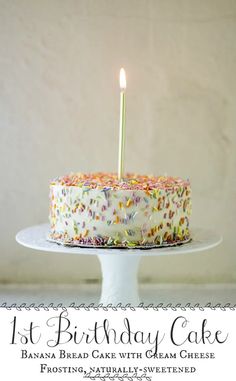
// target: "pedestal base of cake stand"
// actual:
[[120, 280], [119, 266]]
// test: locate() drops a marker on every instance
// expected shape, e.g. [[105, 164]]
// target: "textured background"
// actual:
[[59, 107]]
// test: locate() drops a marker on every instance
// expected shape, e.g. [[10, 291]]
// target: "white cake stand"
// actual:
[[119, 266]]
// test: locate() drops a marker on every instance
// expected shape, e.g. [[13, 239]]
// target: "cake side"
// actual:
[[97, 210]]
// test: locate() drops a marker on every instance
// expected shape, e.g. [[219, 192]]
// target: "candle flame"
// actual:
[[122, 79]]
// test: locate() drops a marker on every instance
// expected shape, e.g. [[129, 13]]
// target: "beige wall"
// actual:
[[59, 105]]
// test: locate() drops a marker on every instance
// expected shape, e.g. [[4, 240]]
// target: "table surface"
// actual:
[[149, 293]]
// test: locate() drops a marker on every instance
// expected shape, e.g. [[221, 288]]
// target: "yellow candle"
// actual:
[[122, 125]]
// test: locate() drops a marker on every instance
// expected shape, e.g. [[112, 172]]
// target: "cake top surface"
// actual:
[[131, 181]]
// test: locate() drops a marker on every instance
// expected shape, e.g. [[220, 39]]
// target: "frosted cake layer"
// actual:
[[98, 210]]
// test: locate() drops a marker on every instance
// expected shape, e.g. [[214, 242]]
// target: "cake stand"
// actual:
[[119, 266]]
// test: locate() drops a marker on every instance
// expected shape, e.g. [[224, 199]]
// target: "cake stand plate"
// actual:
[[119, 266]]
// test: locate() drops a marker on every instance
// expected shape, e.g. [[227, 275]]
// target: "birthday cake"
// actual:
[[139, 211]]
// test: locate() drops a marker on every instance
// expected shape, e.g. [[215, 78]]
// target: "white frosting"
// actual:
[[119, 217]]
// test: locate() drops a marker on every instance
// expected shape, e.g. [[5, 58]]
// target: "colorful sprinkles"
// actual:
[[140, 211], [108, 181]]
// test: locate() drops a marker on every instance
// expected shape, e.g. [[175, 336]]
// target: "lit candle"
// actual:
[[122, 125]]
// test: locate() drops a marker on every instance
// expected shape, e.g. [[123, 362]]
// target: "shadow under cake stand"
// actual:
[[119, 266]]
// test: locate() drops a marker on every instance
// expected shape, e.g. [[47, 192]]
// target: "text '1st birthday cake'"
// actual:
[[139, 211]]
